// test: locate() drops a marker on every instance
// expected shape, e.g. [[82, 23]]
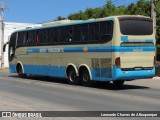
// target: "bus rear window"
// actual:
[[136, 26]]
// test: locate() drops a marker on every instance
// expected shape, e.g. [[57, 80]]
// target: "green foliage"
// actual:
[[60, 18], [142, 7]]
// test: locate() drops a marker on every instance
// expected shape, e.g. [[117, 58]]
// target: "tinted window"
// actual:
[[97, 32], [92, 32], [52, 35], [136, 26], [13, 38], [106, 31], [77, 34], [69, 36], [63, 35], [84, 33], [41, 37], [21, 38], [12, 43], [30, 38]]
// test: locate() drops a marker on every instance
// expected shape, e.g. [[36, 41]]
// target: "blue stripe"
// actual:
[[126, 39], [134, 49], [42, 70], [105, 74], [92, 49]]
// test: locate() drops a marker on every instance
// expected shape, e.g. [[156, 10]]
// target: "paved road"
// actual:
[[51, 94]]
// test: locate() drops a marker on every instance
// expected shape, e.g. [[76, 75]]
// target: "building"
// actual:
[[10, 27]]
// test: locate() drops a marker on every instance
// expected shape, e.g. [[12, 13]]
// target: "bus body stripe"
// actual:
[[126, 39], [92, 49]]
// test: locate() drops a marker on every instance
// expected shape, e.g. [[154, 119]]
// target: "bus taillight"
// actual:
[[118, 62]]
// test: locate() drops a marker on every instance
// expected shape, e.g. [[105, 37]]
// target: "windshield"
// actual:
[[136, 26]]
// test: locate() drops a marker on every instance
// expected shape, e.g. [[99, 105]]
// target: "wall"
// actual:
[[8, 29]]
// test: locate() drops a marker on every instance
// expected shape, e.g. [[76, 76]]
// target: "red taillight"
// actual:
[[118, 62]]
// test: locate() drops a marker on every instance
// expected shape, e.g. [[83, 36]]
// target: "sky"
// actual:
[[40, 11]]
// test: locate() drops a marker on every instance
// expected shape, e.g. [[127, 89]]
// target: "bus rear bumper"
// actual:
[[118, 74]]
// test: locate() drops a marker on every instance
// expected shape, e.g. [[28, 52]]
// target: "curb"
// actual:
[[156, 78]]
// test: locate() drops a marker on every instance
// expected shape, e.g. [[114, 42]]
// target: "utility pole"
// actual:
[[2, 34], [153, 13]]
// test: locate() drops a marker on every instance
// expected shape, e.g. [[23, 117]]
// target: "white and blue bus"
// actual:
[[117, 48]]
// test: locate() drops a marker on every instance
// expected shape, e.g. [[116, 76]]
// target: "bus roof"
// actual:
[[76, 22]]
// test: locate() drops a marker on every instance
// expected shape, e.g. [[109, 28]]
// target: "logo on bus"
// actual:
[[51, 50]]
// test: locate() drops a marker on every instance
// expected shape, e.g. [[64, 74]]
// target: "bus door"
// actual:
[[12, 44]]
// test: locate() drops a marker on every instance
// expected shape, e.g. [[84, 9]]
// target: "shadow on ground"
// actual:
[[98, 85]]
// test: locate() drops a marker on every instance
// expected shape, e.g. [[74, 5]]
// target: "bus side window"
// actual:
[[41, 37], [63, 35], [46, 36], [77, 33], [52, 35], [12, 42], [92, 32], [97, 32], [110, 30], [21, 39], [30, 38], [106, 31], [70, 34], [84, 33]]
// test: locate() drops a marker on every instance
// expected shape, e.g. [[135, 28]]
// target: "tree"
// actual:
[[97, 13], [142, 8], [120, 10], [109, 8], [130, 10], [88, 12], [60, 18]]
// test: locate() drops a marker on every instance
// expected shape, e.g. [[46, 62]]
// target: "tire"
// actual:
[[72, 77], [118, 83], [20, 72], [85, 78]]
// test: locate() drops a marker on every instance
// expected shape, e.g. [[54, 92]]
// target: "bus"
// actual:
[[116, 48]]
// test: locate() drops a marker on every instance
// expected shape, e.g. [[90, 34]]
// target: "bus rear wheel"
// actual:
[[118, 83], [85, 78], [72, 77], [20, 71]]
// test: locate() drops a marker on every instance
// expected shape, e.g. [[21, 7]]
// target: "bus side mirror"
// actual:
[[4, 47]]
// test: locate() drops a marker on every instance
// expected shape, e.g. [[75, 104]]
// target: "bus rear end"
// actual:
[[134, 47]]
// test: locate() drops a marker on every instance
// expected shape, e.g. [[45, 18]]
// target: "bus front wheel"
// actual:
[[20, 71]]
